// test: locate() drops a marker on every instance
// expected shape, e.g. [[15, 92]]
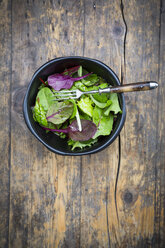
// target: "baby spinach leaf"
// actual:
[[45, 96], [59, 112]]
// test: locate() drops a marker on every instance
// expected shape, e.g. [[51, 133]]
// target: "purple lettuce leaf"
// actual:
[[66, 130], [88, 130], [60, 81]]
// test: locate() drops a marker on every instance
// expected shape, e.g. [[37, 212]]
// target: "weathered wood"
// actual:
[[103, 22], [111, 199], [139, 192], [5, 79], [160, 158], [45, 188]]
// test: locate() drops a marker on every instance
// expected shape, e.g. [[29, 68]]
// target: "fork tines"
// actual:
[[64, 95]]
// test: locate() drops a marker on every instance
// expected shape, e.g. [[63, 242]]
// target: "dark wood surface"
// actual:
[[115, 198]]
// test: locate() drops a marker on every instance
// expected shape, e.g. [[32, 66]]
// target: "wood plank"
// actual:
[[139, 193], [160, 172], [5, 79], [70, 202], [104, 39], [45, 188]]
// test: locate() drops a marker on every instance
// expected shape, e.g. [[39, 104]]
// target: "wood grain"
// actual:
[[5, 79], [45, 188], [98, 201], [159, 163], [139, 192], [114, 198]]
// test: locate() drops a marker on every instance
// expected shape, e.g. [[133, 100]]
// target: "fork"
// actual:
[[75, 94]]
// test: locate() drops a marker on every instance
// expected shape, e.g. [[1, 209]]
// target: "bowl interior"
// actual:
[[52, 141]]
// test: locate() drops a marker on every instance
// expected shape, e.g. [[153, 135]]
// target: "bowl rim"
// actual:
[[76, 153]]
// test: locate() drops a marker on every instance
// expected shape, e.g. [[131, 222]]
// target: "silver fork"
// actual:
[[75, 94]]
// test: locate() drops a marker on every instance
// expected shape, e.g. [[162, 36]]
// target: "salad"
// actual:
[[81, 121]]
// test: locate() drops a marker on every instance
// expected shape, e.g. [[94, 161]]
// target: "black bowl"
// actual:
[[52, 141]]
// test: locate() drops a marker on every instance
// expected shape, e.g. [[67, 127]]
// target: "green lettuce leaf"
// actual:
[[101, 104], [97, 114], [85, 104], [74, 108], [114, 107], [85, 116], [39, 114], [82, 144], [96, 87], [90, 80], [80, 71], [79, 85], [102, 81], [100, 97], [105, 126]]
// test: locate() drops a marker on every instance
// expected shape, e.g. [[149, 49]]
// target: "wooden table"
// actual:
[[115, 198]]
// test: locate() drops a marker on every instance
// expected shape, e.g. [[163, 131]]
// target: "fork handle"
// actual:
[[149, 85]]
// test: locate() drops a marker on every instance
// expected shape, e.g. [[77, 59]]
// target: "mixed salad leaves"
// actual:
[[83, 120]]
